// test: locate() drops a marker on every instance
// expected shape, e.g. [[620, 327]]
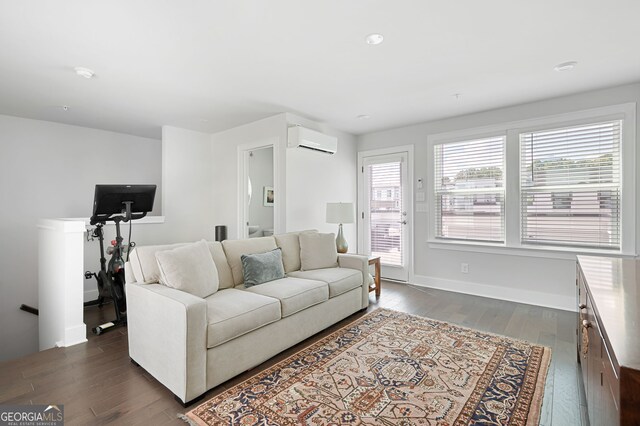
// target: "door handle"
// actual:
[[404, 222]]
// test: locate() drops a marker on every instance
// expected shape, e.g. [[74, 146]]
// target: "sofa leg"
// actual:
[[188, 403]]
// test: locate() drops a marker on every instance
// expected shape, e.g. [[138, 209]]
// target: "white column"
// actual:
[[61, 282]]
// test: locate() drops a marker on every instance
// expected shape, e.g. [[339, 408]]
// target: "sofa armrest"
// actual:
[[167, 331], [361, 263]]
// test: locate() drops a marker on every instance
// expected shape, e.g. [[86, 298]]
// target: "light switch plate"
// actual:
[[420, 196], [421, 207]]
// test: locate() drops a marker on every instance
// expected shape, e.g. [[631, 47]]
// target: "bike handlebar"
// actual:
[[120, 218]]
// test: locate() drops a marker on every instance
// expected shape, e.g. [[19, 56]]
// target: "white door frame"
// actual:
[[278, 207], [408, 149]]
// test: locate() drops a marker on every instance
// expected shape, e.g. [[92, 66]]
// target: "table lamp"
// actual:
[[340, 213]]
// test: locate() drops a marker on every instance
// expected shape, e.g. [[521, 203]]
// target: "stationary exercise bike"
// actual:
[[116, 203]]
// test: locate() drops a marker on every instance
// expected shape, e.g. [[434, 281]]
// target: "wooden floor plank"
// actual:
[[566, 406], [17, 390]]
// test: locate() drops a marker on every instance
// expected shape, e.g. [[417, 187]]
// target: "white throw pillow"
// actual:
[[189, 268], [317, 251]]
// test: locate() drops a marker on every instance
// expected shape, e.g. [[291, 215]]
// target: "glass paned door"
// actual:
[[385, 213]]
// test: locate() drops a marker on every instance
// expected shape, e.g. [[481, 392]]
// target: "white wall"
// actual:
[[311, 179], [315, 179], [543, 281], [187, 174], [225, 168], [49, 170]]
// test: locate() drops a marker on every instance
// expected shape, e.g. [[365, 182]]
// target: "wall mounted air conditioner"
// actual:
[[306, 138]]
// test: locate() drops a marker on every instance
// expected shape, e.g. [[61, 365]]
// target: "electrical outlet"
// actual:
[[464, 268]]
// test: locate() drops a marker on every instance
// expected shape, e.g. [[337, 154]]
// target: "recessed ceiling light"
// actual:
[[363, 117], [565, 66], [84, 72], [374, 38]]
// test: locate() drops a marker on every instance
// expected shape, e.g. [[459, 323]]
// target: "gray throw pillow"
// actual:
[[262, 267]]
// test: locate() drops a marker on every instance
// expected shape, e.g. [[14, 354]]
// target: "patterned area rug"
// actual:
[[392, 368]]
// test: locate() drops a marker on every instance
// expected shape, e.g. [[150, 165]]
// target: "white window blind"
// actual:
[[469, 189], [570, 186], [385, 211]]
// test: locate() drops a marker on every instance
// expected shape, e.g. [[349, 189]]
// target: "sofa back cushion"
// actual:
[[145, 267], [220, 259], [143, 262], [189, 268], [290, 245], [318, 251], [234, 249]]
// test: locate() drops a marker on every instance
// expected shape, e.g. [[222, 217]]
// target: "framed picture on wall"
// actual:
[[268, 196]]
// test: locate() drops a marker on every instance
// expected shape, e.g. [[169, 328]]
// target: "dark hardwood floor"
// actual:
[[97, 384]]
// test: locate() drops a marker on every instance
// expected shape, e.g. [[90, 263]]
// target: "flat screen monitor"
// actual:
[[110, 200]]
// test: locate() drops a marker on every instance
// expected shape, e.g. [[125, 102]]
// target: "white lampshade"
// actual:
[[340, 213]]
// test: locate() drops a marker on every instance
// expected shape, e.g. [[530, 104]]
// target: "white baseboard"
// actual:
[[565, 303], [73, 336], [90, 295]]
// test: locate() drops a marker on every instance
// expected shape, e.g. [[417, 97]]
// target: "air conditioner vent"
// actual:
[[301, 137]]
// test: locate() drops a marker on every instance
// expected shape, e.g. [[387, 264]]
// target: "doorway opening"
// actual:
[[258, 207]]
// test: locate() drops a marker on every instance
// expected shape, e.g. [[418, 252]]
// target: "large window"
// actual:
[[559, 183], [570, 186], [469, 188]]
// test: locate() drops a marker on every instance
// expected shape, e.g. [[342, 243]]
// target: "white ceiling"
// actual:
[[211, 65]]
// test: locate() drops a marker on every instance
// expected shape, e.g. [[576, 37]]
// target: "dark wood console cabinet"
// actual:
[[609, 338]]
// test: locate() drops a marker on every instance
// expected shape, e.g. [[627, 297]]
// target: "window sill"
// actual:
[[550, 252]]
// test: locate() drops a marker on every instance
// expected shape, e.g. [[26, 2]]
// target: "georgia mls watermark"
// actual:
[[31, 415]]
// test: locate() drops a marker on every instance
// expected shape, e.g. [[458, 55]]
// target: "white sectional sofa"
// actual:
[[192, 344]]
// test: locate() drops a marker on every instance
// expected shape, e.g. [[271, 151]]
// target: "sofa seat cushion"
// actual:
[[340, 280], [232, 313], [295, 294]]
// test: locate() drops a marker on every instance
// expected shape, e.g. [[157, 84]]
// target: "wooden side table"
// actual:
[[375, 260]]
